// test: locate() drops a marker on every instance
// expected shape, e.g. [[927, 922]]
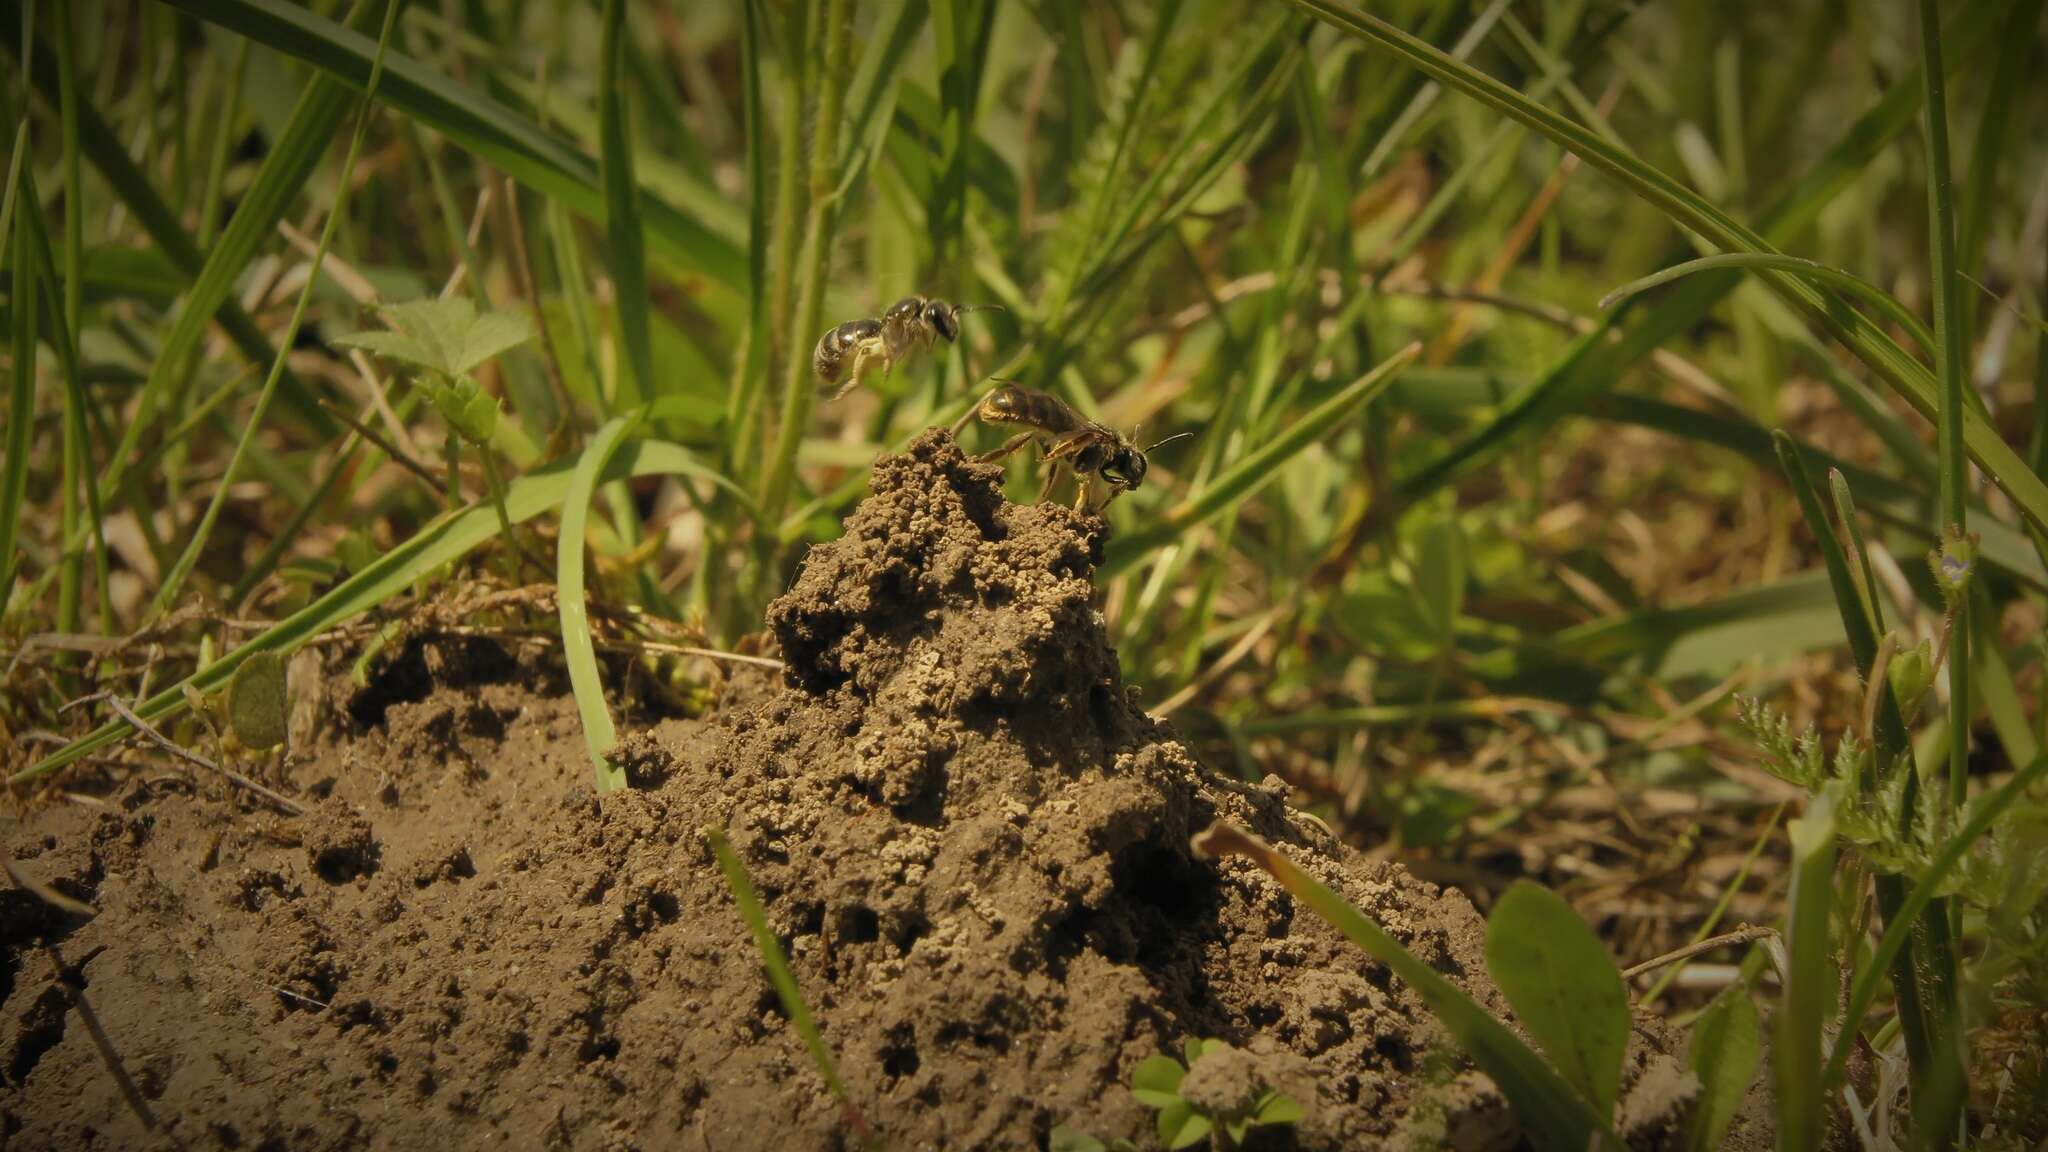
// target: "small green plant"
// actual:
[[1214, 1092], [443, 342]]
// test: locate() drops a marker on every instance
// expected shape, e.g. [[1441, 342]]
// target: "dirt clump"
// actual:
[[970, 838]]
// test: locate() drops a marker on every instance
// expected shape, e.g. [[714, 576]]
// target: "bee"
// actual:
[[858, 349], [1096, 452]]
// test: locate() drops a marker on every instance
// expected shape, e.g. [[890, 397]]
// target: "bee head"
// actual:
[[1125, 467], [943, 319]]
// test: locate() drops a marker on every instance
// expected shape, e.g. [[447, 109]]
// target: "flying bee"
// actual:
[[1096, 452], [858, 349]]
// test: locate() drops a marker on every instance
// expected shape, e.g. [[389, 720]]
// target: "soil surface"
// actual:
[[970, 837]]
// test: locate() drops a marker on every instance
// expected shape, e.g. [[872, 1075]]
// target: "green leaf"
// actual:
[[1863, 990], [1194, 1046], [1724, 1055], [1813, 270], [491, 335], [577, 649], [1156, 1083], [1440, 573], [1555, 1115], [1279, 1108], [442, 335], [1810, 989], [623, 236], [1237, 1127], [1563, 986], [258, 706], [1180, 1126], [392, 346]]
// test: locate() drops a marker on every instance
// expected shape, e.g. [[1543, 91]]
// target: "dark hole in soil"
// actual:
[[769, 1004], [1394, 1050], [859, 924], [665, 905], [906, 933], [597, 1048], [42, 1028], [927, 806], [408, 679], [899, 1055]]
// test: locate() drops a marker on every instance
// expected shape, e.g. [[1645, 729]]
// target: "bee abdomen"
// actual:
[[828, 359]]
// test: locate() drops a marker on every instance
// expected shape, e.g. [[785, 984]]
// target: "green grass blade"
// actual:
[[571, 602], [446, 539], [76, 450], [1847, 282], [1906, 376], [1554, 1115], [109, 157], [961, 34], [1257, 468], [622, 215], [798, 388], [285, 171], [1951, 368], [21, 382], [1923, 975], [510, 142], [1810, 989], [174, 579], [792, 997], [744, 398], [1896, 939]]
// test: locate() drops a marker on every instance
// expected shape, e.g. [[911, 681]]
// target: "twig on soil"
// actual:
[[48, 895], [289, 806], [71, 978], [1741, 935]]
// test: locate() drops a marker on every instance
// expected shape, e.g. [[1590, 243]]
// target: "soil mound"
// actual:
[[971, 839]]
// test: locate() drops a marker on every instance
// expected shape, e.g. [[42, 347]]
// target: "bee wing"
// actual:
[[1068, 444]]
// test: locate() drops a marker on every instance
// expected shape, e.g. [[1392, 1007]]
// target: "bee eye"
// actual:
[[941, 319]]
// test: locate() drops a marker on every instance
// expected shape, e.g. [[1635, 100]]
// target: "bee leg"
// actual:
[[1052, 477], [860, 371], [1009, 446]]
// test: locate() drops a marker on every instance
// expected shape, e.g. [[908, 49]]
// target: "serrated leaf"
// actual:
[[1563, 986], [392, 346], [1279, 1108], [1180, 1126], [490, 335], [258, 706], [1724, 1055]]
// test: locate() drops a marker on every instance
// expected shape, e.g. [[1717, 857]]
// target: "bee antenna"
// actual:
[[964, 309], [1170, 439]]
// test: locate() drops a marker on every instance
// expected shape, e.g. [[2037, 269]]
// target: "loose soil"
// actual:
[[970, 837]]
